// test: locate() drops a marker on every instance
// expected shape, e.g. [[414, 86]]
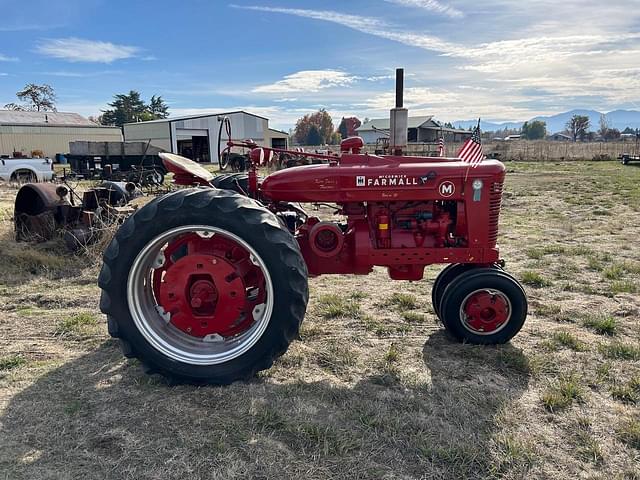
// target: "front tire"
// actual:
[[204, 286], [444, 278], [484, 306]]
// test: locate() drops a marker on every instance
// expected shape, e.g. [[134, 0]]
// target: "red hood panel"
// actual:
[[380, 179]]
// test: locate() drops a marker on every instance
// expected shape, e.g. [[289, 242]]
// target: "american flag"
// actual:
[[471, 151], [441, 147]]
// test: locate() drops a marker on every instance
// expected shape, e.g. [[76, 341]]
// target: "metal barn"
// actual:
[[49, 132], [196, 136]]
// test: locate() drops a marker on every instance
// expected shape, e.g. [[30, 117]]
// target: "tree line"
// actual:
[[125, 108], [313, 129]]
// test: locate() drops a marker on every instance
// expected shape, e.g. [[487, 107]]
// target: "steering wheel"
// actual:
[[224, 154]]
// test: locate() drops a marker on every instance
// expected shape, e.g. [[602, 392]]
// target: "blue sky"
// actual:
[[499, 59]]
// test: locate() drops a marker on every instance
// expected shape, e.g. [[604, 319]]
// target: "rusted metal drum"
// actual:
[[35, 211]]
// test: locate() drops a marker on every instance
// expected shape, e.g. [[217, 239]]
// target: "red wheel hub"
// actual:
[[208, 286], [486, 311]]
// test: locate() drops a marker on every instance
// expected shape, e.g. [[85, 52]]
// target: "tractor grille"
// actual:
[[495, 200]]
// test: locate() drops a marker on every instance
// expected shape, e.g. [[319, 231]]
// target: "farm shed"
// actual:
[[49, 132], [420, 130], [196, 136]]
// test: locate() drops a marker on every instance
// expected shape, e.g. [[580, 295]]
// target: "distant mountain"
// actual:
[[486, 126], [619, 119]]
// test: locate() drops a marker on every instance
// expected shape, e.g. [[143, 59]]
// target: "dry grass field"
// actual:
[[375, 389]]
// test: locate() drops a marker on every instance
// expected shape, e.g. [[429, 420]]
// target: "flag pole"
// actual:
[[466, 174]]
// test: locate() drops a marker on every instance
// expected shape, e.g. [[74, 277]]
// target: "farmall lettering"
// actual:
[[391, 180]]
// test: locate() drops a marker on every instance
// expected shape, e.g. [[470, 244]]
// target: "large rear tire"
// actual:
[[204, 286]]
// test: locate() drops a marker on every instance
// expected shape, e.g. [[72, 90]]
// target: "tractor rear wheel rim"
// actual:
[[485, 311], [216, 314]]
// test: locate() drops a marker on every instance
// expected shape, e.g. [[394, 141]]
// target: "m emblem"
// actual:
[[360, 181], [447, 189]]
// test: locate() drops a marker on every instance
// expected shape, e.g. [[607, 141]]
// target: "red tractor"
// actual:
[[209, 284]]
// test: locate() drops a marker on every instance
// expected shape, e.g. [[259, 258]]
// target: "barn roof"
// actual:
[[67, 119], [383, 123]]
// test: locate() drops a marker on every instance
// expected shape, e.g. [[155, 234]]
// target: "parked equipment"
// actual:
[[209, 285], [136, 162], [625, 158]]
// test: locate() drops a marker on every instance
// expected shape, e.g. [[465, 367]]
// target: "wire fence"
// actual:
[[519, 150]]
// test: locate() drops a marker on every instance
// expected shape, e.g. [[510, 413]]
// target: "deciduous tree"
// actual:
[[323, 123], [578, 126], [314, 137], [535, 130], [35, 98]]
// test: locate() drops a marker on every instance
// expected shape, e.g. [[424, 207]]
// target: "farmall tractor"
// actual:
[[209, 284]]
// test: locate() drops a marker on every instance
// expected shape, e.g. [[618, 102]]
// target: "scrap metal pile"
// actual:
[[42, 210]]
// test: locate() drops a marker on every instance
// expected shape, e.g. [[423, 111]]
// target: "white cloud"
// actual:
[[368, 25], [307, 81], [528, 63], [70, 74], [4, 58], [82, 50], [430, 5]]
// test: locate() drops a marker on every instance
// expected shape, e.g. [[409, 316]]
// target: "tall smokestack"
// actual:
[[399, 87], [399, 118]]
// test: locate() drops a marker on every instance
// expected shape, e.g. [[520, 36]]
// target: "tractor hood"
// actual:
[[368, 178]]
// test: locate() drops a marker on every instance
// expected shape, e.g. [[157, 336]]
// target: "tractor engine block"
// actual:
[[399, 234]]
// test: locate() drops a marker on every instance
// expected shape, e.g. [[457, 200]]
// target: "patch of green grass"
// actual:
[[534, 253], [28, 311], [413, 317], [613, 272], [515, 360], [588, 446], [72, 407], [569, 340], [563, 393], [514, 455], [403, 301], [548, 309], [624, 393], [624, 286], [602, 324], [393, 354], [603, 372], [620, 351], [594, 263], [10, 362], [335, 306], [379, 327], [76, 324], [629, 433], [631, 267], [358, 295], [534, 279], [336, 357], [324, 438]]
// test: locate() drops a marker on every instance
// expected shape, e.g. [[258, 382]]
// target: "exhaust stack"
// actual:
[[399, 118]]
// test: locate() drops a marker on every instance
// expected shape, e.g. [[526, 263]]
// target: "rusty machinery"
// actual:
[[209, 284], [44, 209]]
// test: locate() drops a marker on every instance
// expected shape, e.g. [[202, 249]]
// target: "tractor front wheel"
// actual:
[[483, 306], [204, 286], [444, 278]]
